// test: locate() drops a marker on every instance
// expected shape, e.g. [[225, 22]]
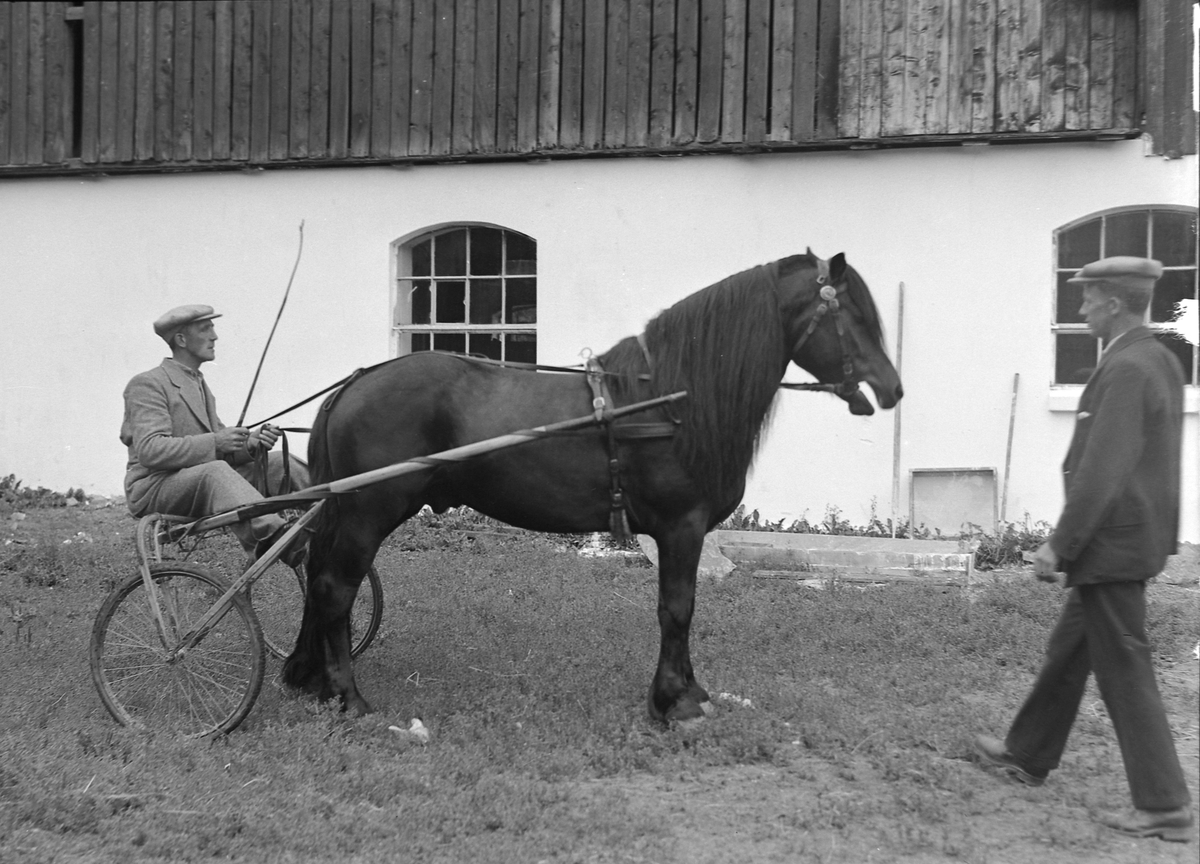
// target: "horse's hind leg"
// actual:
[[675, 694], [321, 662]]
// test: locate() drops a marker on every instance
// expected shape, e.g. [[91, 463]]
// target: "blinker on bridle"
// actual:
[[829, 302]]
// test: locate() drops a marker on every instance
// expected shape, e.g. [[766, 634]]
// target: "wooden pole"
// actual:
[[459, 454], [305, 497], [1012, 418], [896, 415]]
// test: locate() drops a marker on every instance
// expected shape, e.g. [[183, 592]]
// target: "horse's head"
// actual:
[[833, 330]]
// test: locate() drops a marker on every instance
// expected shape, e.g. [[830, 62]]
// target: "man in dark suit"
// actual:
[[182, 459], [1119, 523]]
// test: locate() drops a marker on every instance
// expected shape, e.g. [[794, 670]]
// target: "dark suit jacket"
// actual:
[[1122, 471]]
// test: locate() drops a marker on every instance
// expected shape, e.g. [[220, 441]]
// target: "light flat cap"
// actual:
[[181, 316], [1121, 270]]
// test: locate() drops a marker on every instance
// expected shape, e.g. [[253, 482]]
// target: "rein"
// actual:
[[511, 364]]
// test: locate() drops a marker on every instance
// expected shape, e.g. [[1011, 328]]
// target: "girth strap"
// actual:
[[618, 520], [602, 406]]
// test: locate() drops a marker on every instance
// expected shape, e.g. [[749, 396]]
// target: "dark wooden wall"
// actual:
[[932, 67], [181, 84]]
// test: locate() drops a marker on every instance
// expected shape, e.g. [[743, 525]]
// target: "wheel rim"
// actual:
[[208, 689], [278, 598]]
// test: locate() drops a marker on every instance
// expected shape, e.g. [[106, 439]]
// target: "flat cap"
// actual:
[[1121, 270], [180, 316]]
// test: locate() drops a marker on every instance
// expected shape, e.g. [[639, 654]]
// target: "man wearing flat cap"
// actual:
[[183, 460], [1119, 523]]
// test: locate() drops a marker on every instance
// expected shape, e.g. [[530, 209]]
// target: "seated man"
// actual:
[[183, 460]]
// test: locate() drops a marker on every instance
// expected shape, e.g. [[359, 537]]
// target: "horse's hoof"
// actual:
[[690, 725], [707, 707], [685, 713], [356, 706]]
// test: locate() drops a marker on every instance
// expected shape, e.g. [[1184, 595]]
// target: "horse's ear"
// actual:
[[837, 267]]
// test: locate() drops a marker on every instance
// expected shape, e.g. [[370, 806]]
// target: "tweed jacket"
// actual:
[[1122, 470], [170, 423]]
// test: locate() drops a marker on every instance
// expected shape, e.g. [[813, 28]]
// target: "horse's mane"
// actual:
[[860, 296], [724, 345]]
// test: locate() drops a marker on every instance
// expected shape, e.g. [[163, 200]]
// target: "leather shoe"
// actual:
[[293, 555], [995, 753], [1175, 825]]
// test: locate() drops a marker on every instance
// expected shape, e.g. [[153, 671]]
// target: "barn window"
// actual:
[[1166, 233], [471, 289]]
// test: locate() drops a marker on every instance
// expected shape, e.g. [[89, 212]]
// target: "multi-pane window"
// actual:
[[469, 289], [1166, 233]]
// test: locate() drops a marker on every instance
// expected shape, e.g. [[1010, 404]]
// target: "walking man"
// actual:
[[182, 459], [1119, 523]]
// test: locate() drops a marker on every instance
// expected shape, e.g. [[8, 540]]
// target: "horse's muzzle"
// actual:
[[859, 404]]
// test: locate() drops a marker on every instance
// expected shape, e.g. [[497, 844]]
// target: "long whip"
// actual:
[[278, 315]]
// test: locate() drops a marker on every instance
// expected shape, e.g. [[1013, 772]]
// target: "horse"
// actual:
[[727, 345]]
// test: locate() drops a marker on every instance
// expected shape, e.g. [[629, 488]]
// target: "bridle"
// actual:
[[828, 295]]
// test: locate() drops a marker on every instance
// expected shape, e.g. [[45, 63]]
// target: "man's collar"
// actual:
[[173, 364], [1130, 335]]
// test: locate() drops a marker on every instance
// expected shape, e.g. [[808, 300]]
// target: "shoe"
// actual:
[[1176, 825], [995, 753], [293, 555]]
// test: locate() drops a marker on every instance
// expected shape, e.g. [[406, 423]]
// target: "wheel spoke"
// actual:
[[208, 688]]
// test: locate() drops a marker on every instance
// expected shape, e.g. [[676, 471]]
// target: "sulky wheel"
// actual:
[[207, 689], [278, 597]]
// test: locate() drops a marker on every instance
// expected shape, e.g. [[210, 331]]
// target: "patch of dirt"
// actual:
[[816, 811], [850, 813]]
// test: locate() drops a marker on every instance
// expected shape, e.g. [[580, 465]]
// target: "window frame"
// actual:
[[402, 327], [1056, 328]]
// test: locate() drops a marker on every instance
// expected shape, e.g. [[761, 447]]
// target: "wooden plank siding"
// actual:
[[912, 68], [183, 84]]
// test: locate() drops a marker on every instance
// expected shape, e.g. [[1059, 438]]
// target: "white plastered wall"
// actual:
[[89, 263]]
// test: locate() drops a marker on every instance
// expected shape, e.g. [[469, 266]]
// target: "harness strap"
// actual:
[[537, 367], [601, 398], [262, 466], [634, 431], [641, 340], [618, 520]]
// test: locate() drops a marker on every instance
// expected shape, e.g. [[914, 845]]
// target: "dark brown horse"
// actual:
[[727, 345]]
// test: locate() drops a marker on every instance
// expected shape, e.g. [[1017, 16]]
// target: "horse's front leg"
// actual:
[[674, 694]]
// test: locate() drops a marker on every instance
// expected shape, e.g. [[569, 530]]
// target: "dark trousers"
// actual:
[[216, 486], [1103, 630]]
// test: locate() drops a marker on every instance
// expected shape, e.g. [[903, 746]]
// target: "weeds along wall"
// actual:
[[969, 230]]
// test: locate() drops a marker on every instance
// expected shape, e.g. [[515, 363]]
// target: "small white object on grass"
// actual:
[[416, 729], [730, 697]]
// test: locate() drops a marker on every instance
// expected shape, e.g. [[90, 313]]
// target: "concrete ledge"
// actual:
[[765, 550]]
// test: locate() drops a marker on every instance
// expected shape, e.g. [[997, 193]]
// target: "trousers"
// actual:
[[1102, 629], [214, 487]]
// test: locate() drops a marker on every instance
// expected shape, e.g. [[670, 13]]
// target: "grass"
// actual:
[[530, 666]]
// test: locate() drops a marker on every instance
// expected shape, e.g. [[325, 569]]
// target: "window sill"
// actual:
[[1067, 399]]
